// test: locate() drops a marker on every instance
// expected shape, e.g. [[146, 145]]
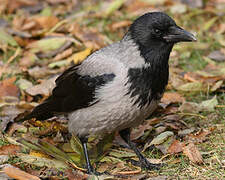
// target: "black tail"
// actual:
[[43, 111]]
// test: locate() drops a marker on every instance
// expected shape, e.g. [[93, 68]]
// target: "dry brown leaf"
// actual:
[[153, 121], [11, 7], [9, 149], [14, 127], [75, 175], [89, 36], [138, 132], [192, 152], [120, 24], [57, 1], [63, 55], [129, 172], [138, 7], [8, 88], [198, 137], [175, 147], [18, 174], [197, 77], [172, 97], [46, 22], [45, 88]]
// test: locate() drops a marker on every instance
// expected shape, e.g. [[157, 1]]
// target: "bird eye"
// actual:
[[157, 31]]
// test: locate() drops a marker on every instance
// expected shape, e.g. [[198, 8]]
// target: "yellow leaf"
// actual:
[[38, 154], [80, 56]]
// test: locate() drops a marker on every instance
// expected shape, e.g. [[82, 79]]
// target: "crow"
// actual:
[[118, 86]]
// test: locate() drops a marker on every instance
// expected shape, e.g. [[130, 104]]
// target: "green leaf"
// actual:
[[24, 84], [210, 23], [76, 145], [47, 45], [41, 162], [6, 38], [209, 105], [191, 87], [114, 6], [161, 138], [121, 154], [59, 64]]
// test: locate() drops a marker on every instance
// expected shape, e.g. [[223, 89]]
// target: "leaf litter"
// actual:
[[40, 39]]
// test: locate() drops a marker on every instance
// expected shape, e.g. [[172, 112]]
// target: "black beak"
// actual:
[[177, 34]]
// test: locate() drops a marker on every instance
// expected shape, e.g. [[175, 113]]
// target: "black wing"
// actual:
[[72, 92]]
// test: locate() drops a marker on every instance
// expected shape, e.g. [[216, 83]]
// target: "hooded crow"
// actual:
[[118, 86]]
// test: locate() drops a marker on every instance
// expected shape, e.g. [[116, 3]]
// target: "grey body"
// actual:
[[115, 110]]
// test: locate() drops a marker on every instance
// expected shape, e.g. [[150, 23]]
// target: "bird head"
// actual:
[[158, 29]]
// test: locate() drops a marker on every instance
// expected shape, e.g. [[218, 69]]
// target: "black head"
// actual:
[[158, 28]]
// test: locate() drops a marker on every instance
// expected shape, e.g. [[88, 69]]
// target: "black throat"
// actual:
[[148, 83]]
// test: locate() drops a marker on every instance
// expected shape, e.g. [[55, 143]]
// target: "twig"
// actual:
[[220, 106], [13, 56], [192, 114], [57, 25]]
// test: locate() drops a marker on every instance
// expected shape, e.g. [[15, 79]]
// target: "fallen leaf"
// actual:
[[192, 152], [23, 84], [80, 56], [8, 88], [63, 55], [208, 24], [172, 97], [209, 105], [46, 45], [120, 24], [89, 36], [121, 154], [216, 86], [191, 87], [28, 59], [6, 38], [198, 137], [113, 6], [185, 132], [161, 138], [9, 149], [136, 133], [7, 115], [189, 107], [3, 159], [18, 174], [45, 88], [137, 7], [46, 22], [42, 161], [175, 147], [158, 178], [178, 8], [129, 172], [217, 56], [163, 147], [16, 127], [59, 64], [194, 3]]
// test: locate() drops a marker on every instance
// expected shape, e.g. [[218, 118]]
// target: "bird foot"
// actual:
[[91, 171], [145, 164]]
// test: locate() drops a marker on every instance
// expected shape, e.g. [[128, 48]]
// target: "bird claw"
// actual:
[[91, 171], [145, 164]]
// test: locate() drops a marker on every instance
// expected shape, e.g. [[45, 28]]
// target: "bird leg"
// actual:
[[90, 169], [125, 134]]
